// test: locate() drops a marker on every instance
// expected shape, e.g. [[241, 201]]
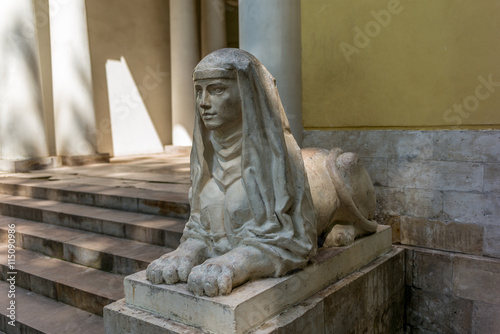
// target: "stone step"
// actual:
[[162, 199], [152, 229], [85, 288], [98, 251], [36, 314]]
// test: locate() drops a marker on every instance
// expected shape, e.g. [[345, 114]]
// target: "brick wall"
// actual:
[[440, 192]]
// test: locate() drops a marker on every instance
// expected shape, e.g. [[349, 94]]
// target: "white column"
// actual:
[[185, 54], [74, 111], [22, 120], [270, 30], [213, 26]]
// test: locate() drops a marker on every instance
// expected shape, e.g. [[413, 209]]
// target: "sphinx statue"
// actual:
[[260, 206]]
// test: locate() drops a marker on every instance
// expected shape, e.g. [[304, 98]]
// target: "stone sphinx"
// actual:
[[260, 205]]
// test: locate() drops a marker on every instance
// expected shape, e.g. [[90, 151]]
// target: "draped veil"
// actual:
[[284, 221]]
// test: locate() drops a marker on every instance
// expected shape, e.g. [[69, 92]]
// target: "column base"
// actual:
[[80, 160], [248, 306], [27, 165]]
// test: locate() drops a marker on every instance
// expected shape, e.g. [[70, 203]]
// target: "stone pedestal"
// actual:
[[248, 306], [26, 165]]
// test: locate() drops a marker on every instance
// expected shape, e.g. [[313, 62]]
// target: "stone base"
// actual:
[[24, 166], [177, 150], [85, 159], [370, 300], [254, 303]]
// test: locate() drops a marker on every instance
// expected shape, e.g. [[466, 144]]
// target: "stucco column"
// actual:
[[185, 54], [74, 111], [22, 121], [270, 30], [213, 26]]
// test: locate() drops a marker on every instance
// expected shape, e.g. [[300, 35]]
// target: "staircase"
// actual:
[[79, 231]]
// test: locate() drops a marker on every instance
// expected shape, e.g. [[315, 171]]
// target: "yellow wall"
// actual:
[[410, 72]]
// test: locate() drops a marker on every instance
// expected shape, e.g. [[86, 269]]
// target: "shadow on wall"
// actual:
[[132, 129], [75, 109], [22, 127], [137, 36]]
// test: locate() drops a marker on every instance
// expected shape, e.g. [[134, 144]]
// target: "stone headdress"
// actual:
[[272, 169]]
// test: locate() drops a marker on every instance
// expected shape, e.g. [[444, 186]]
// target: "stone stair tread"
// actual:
[[100, 185], [125, 217], [97, 242], [152, 173], [79, 277], [48, 316]]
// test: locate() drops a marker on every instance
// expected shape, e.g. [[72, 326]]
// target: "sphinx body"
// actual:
[[259, 204]]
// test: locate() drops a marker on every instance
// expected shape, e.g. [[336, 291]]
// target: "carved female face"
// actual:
[[219, 103]]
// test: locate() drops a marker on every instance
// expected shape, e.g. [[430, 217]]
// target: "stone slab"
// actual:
[[486, 317], [38, 314], [254, 303], [479, 208], [435, 175], [24, 166], [477, 278], [82, 160], [439, 313], [457, 237]]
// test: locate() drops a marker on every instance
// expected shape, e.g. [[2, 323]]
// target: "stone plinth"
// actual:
[[256, 302], [85, 159], [24, 166]]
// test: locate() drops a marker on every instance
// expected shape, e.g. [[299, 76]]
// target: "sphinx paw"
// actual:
[[340, 235]]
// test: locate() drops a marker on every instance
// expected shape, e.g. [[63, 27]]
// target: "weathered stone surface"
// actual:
[[486, 318], [257, 301], [435, 175], [423, 203], [432, 271], [454, 145], [323, 139], [23, 166], [380, 283], [411, 145], [418, 330], [465, 238], [492, 177], [377, 169], [305, 317], [387, 318], [123, 319], [86, 288], [467, 145], [395, 223], [85, 159], [472, 207], [492, 241], [390, 201], [439, 312], [367, 143], [359, 302], [38, 314], [409, 255], [477, 278]]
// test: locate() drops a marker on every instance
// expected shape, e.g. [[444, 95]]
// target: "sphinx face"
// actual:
[[219, 104]]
